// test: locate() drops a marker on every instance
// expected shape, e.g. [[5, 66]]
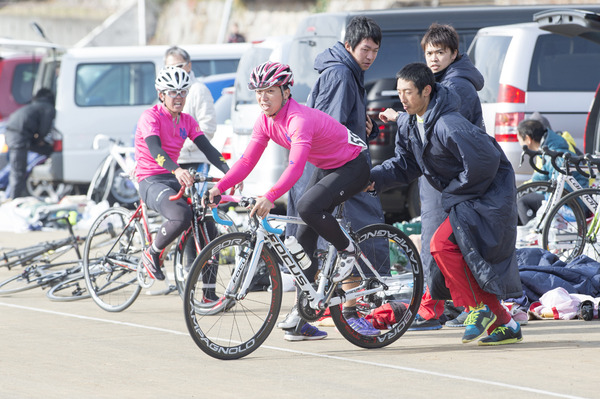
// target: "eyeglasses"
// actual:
[[180, 65], [174, 93]]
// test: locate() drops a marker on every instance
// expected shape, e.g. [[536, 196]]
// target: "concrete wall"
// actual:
[[114, 22]]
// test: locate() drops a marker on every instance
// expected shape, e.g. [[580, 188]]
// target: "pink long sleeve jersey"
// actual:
[[158, 121], [310, 135]]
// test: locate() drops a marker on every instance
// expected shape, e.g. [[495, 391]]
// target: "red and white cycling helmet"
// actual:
[[270, 74], [172, 78]]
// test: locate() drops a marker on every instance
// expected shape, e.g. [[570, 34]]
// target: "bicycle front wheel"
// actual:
[[30, 278], [565, 232], [111, 255], [394, 256], [232, 326]]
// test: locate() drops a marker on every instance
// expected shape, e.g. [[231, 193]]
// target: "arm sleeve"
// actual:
[[159, 155], [211, 153]]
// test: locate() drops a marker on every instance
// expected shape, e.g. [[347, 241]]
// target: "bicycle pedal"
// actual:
[[320, 254]]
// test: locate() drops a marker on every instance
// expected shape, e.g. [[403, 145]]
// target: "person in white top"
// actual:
[[200, 105]]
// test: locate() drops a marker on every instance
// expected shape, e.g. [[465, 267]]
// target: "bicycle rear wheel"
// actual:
[[544, 188], [71, 289], [397, 260], [111, 256], [231, 327], [565, 231]]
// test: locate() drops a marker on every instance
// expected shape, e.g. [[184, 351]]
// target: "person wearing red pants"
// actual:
[[474, 247]]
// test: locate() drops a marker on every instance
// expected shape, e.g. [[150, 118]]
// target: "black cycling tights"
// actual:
[[155, 192], [325, 190]]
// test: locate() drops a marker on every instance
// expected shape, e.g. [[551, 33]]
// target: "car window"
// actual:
[[115, 84], [212, 67], [303, 52], [22, 84], [560, 63], [487, 54]]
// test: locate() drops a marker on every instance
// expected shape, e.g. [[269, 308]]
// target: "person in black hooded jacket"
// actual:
[[26, 130], [474, 247]]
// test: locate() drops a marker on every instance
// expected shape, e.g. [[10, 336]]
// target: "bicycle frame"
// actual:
[[319, 299]]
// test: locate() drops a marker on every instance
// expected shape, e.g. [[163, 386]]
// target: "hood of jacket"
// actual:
[[337, 56], [463, 68], [443, 101]]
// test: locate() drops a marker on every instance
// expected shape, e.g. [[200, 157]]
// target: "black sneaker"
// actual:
[[459, 321], [148, 262], [502, 335], [421, 324]]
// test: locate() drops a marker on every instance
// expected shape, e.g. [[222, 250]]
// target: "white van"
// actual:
[[245, 111], [527, 69], [104, 90]]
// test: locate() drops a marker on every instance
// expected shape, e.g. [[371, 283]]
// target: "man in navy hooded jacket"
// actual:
[[455, 71], [474, 246]]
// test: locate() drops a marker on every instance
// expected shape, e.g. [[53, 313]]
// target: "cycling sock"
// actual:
[[350, 312], [154, 250], [155, 253], [350, 247]]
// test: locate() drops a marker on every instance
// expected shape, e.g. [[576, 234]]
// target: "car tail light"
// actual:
[[226, 152], [57, 147], [505, 126], [385, 129], [382, 137], [510, 94]]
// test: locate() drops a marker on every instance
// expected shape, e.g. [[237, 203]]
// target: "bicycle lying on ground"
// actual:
[[242, 319], [117, 277], [41, 268]]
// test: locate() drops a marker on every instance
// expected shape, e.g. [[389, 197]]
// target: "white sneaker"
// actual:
[[343, 268], [291, 320]]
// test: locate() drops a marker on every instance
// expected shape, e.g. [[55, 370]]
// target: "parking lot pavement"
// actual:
[[70, 349]]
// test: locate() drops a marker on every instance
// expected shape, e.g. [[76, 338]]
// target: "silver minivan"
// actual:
[[527, 69]]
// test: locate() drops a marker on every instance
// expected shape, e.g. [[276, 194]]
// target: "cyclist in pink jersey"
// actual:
[[311, 135], [159, 137]]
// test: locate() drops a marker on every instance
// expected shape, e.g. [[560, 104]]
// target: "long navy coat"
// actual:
[[477, 184], [462, 77]]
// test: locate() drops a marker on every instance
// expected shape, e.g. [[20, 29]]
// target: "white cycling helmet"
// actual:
[[172, 78]]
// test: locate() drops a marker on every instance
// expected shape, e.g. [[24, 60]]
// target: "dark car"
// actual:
[[402, 30], [584, 24]]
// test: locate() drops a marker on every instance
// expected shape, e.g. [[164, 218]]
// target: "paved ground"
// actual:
[[75, 349]]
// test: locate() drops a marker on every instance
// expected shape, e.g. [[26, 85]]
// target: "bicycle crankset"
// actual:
[[144, 280], [305, 311]]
